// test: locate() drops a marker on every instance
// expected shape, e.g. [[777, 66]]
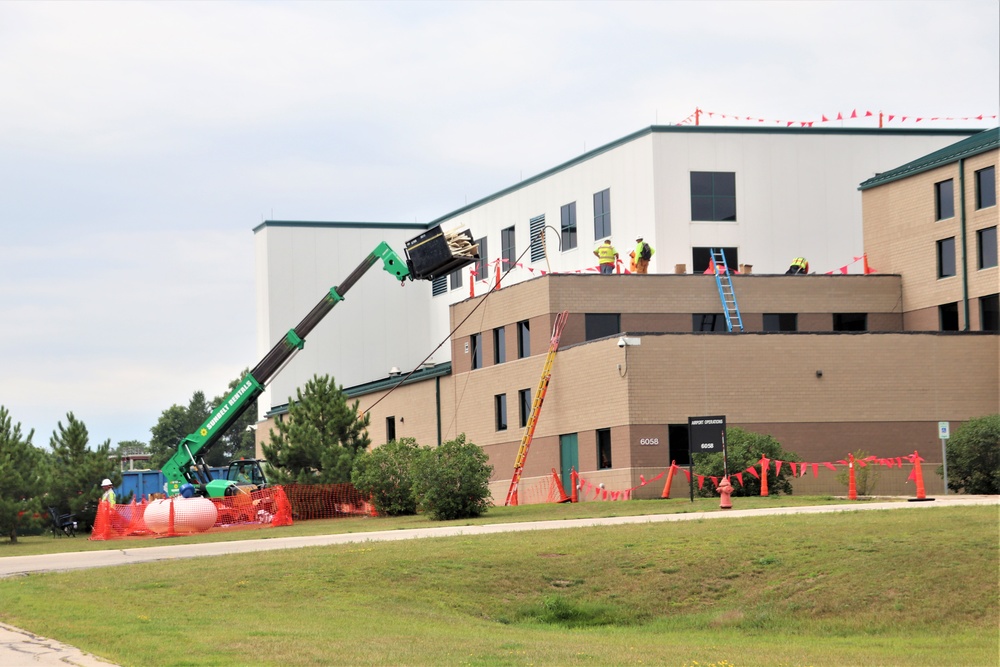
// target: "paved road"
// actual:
[[19, 648]]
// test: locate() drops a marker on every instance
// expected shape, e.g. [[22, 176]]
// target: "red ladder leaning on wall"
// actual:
[[536, 408]]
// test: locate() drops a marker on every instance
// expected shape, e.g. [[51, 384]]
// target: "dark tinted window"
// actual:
[[989, 312], [567, 215], [523, 339], [948, 315], [599, 325], [986, 242], [944, 198], [499, 345], [781, 322], [986, 187], [946, 257], [713, 196], [602, 214], [850, 321], [500, 410], [476, 345]]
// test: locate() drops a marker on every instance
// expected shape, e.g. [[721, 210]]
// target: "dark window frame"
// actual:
[[708, 322], [500, 411], [390, 429], [523, 339], [602, 214], [713, 196], [986, 247], [948, 316], [780, 322], [508, 248], [483, 263], [567, 226], [500, 345], [986, 195], [946, 266], [455, 278], [604, 459], [989, 312], [476, 350], [524, 406], [850, 321], [944, 200], [600, 325]]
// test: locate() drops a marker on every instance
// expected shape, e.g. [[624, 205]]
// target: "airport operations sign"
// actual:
[[707, 435]]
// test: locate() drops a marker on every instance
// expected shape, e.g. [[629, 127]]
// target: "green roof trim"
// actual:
[[419, 375], [984, 141]]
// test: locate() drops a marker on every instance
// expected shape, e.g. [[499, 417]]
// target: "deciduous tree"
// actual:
[[974, 456]]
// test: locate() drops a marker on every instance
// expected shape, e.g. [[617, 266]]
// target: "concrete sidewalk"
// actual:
[[19, 648]]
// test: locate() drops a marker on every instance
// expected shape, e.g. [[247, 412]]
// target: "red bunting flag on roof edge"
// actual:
[[701, 117]]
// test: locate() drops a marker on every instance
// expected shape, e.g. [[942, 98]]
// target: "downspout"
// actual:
[[437, 398], [965, 266]]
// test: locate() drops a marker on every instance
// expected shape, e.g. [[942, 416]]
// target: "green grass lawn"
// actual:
[[903, 588]]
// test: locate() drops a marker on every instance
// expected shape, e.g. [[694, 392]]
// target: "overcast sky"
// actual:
[[141, 142]]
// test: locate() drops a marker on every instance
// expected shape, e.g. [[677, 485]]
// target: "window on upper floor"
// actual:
[[523, 339], [986, 187], [948, 316], [390, 429], [567, 223], [524, 406], [499, 345], [483, 263], [946, 257], [456, 278], [476, 345], [507, 249], [700, 258], [944, 200], [602, 214], [989, 312], [850, 321], [781, 322], [986, 245], [713, 196], [500, 411], [600, 325]]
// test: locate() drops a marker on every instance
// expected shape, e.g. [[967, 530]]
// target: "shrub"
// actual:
[[386, 474], [865, 476], [452, 481], [974, 456], [743, 450]]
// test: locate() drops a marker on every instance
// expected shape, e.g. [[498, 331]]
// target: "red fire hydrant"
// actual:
[[725, 489]]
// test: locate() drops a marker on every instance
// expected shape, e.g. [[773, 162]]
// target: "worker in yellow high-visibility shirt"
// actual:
[[606, 257]]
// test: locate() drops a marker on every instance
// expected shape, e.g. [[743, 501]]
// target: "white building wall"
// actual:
[[378, 325], [797, 194]]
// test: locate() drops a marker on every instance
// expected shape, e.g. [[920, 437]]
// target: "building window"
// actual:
[[944, 200], [713, 196], [986, 187], [507, 249], [700, 258], [483, 263], [567, 222], [390, 429], [476, 341], [946, 257], [602, 214], [524, 403], [500, 408], [708, 322], [850, 321], [523, 339], [781, 322], [603, 448], [439, 285], [948, 316], [499, 345], [986, 240], [989, 312], [456, 278], [601, 325]]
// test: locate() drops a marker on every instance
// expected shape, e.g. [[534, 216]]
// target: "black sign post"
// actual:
[[706, 435]]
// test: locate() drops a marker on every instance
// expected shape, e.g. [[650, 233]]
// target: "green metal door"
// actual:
[[569, 458]]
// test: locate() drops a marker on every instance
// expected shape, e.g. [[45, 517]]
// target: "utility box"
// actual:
[[436, 253]]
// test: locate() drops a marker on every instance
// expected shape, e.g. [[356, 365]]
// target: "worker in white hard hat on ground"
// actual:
[[109, 492]]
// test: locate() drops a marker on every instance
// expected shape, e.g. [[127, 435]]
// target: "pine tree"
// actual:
[[318, 439], [77, 470], [22, 479]]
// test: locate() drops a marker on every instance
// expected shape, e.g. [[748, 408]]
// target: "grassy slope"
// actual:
[[861, 588]]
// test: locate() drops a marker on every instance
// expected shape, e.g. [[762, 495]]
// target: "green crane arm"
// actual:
[[178, 469]]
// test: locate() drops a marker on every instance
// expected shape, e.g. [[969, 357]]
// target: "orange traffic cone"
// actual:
[[852, 486], [918, 478], [574, 477], [670, 480], [765, 465]]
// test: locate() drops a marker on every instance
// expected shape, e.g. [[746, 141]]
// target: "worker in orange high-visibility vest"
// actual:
[[606, 257], [799, 266]]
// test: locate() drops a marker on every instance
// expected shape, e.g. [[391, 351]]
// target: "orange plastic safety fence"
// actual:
[[327, 501], [168, 517]]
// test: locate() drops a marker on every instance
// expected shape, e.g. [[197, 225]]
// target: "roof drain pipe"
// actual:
[[965, 266]]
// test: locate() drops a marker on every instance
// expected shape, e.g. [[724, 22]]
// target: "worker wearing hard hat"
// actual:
[[109, 492], [799, 266], [606, 257], [642, 253]]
